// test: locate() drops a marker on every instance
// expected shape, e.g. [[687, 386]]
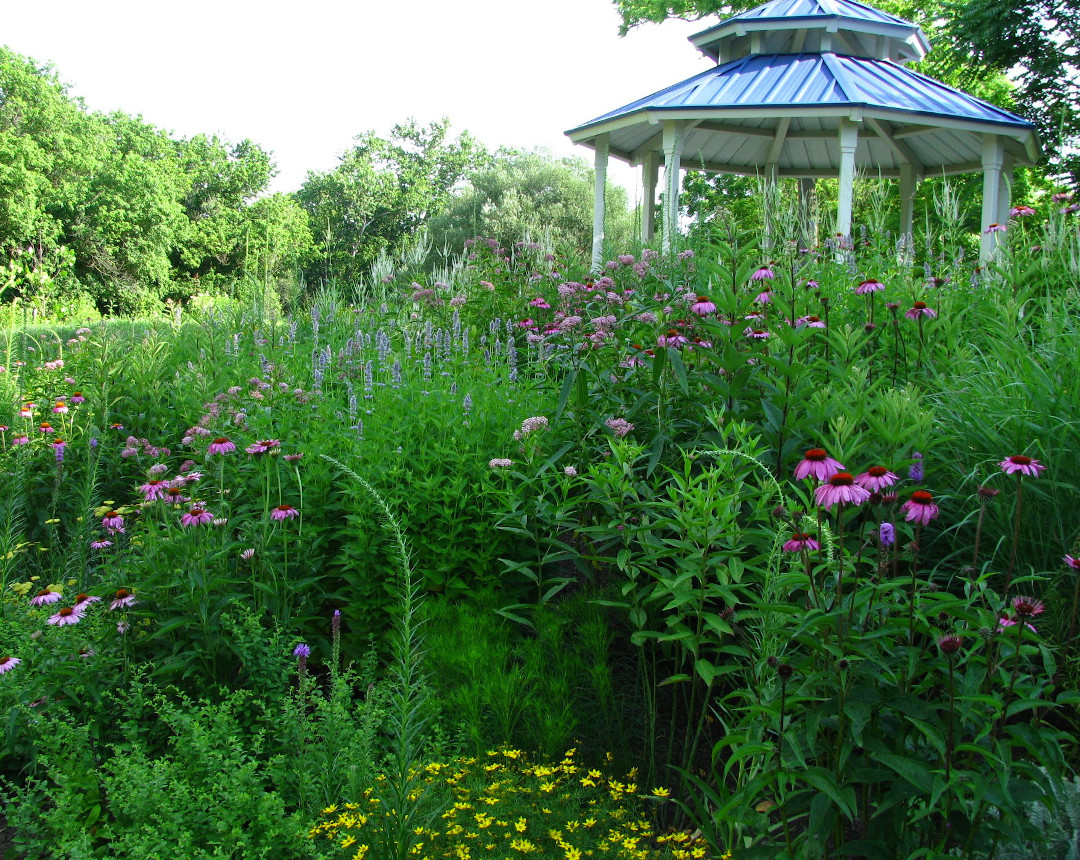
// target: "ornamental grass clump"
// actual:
[[504, 805]]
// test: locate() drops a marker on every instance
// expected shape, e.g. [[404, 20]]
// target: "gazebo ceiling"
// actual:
[[735, 113]]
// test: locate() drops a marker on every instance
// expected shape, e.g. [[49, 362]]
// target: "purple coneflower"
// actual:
[[45, 597], [247, 554], [67, 615], [809, 322], [763, 298], [46, 427], [840, 489], [876, 478], [292, 458], [122, 599], [20, 440], [220, 446], [263, 446], [950, 644], [196, 517], [83, 600], [113, 521], [919, 309], [77, 398], [703, 306], [60, 408], [1021, 211], [1019, 464], [763, 274], [540, 302], [866, 287], [672, 338], [801, 541], [284, 512], [1027, 607], [817, 464], [757, 333], [995, 228], [1074, 563], [8, 663], [920, 508], [153, 490], [100, 544]]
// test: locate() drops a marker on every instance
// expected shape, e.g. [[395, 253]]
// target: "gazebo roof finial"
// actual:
[[813, 26]]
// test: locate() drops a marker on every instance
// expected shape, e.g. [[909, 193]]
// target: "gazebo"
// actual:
[[810, 89]]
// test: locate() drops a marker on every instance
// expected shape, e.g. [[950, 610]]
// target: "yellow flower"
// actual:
[[573, 853], [330, 810], [523, 845], [547, 787], [661, 792], [520, 825], [347, 841]]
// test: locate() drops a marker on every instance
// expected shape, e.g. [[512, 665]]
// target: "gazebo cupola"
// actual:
[[811, 89]]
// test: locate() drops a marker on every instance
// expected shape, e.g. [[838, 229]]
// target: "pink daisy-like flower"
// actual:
[[763, 274], [1027, 607], [1074, 563], [809, 322], [817, 464], [220, 446], [83, 600], [122, 599], [60, 408], [46, 427], [876, 478], [995, 228], [920, 508], [153, 490], [263, 446], [27, 411], [800, 541], [703, 307], [672, 338], [284, 512], [1018, 464], [1006, 621], [77, 398], [8, 663], [100, 544], [1021, 211], [247, 554], [840, 489], [196, 517], [292, 458], [869, 286], [540, 302], [113, 521], [919, 309], [20, 440], [67, 615], [757, 334], [45, 597]]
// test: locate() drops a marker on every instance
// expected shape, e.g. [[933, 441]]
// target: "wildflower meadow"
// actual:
[[766, 547]]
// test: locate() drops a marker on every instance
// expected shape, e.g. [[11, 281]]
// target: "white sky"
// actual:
[[303, 79]]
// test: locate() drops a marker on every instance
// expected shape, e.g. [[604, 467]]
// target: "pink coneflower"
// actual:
[[284, 512], [763, 298], [60, 408], [153, 490], [809, 322], [920, 508], [8, 663], [122, 599], [870, 286], [800, 541], [220, 446], [46, 427], [703, 307], [875, 479], [263, 446], [757, 333], [247, 554], [77, 398], [840, 489], [763, 274], [1074, 563], [117, 427], [27, 411], [20, 440], [83, 600], [45, 597], [1019, 464], [950, 644], [196, 517], [995, 228], [817, 464], [113, 521], [1021, 211], [292, 458], [919, 309], [100, 544], [67, 615], [672, 338], [185, 479], [1027, 607], [1006, 621], [175, 496], [540, 302]]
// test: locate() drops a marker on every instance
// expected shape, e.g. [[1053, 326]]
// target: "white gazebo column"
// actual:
[[849, 140], [673, 143], [1005, 190], [993, 156], [650, 173], [908, 184], [808, 226], [600, 164]]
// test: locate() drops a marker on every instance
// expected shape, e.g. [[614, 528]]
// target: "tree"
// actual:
[[531, 195], [383, 190]]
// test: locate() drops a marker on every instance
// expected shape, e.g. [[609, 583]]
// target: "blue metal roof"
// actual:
[[818, 8], [806, 81]]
